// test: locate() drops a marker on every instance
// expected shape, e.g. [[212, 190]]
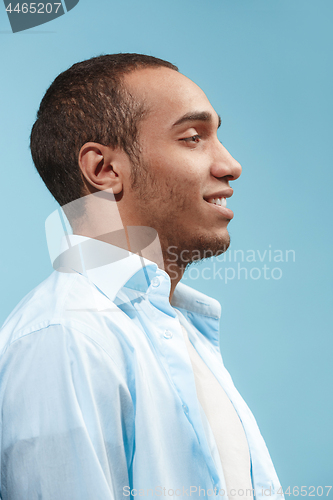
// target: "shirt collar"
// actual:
[[110, 268]]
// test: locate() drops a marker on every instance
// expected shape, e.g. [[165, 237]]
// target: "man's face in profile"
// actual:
[[187, 166]]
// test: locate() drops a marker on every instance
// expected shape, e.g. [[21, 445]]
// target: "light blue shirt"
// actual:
[[97, 392]]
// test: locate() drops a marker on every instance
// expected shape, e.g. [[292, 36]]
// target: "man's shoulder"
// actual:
[[68, 300]]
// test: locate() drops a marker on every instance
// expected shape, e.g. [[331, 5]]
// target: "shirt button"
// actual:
[[155, 282], [185, 408], [168, 334]]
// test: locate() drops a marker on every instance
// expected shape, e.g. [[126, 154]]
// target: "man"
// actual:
[[112, 383]]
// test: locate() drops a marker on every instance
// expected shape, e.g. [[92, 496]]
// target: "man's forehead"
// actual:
[[165, 91], [155, 78]]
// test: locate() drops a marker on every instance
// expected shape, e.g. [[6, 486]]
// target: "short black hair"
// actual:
[[87, 103]]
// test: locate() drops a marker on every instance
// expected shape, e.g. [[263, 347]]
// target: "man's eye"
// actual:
[[193, 138]]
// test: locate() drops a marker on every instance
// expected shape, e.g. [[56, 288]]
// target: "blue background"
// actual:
[[266, 66]]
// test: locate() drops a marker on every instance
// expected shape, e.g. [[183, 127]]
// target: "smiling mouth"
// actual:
[[221, 202]]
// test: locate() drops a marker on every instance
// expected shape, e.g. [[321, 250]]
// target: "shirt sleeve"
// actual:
[[67, 419]]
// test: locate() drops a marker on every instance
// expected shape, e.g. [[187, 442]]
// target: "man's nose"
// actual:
[[225, 165]]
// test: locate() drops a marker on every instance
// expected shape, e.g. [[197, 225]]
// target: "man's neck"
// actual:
[[144, 242]]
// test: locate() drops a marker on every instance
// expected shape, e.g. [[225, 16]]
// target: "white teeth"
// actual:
[[222, 202]]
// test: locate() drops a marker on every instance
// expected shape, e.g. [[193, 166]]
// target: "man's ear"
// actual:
[[103, 166]]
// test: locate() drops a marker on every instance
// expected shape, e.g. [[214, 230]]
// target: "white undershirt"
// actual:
[[226, 427]]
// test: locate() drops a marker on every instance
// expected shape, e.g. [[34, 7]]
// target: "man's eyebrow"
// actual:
[[202, 116]]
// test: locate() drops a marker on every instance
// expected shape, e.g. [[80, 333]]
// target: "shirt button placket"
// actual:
[[185, 408]]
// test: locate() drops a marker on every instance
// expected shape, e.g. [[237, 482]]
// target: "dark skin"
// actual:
[[187, 167]]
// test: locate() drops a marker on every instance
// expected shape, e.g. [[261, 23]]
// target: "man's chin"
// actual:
[[206, 250], [194, 251]]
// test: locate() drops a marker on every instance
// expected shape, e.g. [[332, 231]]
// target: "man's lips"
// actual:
[[225, 193], [226, 212], [218, 200]]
